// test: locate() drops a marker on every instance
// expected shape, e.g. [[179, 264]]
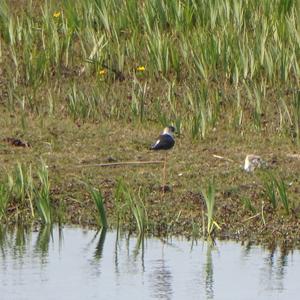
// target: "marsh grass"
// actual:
[[209, 197], [120, 204], [83, 106], [42, 195], [270, 189], [283, 197], [99, 201], [246, 201], [28, 191], [188, 45], [17, 183], [211, 66], [4, 199], [138, 96], [172, 223], [130, 204], [296, 113], [138, 210], [276, 191]]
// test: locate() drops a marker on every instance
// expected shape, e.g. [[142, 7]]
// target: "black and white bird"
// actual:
[[166, 140]]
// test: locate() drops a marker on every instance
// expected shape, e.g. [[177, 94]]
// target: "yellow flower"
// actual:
[[56, 14], [141, 68], [102, 72]]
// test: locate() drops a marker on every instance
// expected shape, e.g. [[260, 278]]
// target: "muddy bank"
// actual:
[[72, 152]]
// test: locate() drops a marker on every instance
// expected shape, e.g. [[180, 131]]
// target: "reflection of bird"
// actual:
[[165, 141]]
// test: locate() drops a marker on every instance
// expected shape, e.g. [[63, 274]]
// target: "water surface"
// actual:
[[74, 263]]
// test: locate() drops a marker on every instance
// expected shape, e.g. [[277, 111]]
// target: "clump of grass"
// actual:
[[138, 95], [210, 50], [296, 113], [20, 186], [42, 195], [270, 189], [120, 204], [138, 210], [209, 197], [26, 194], [173, 221], [126, 201], [17, 183], [99, 201], [276, 191], [282, 191], [4, 198], [247, 204]]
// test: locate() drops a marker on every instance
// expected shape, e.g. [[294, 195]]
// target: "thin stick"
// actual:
[[293, 155], [122, 163], [224, 158], [252, 217]]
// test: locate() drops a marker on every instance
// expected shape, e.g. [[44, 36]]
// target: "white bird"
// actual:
[[252, 162]]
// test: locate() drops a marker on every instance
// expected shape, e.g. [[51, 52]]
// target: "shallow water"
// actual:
[[75, 263]]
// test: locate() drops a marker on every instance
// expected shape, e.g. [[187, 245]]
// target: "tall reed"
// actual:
[[191, 44], [42, 195], [99, 201], [4, 199], [296, 113], [130, 203], [209, 198], [270, 184], [276, 191]]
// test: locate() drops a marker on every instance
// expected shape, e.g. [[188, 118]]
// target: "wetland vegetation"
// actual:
[[90, 82]]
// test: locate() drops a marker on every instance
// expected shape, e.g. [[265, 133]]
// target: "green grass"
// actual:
[[246, 201], [209, 198], [42, 195], [296, 113], [27, 192], [270, 184], [226, 73], [99, 201], [283, 197], [224, 50], [138, 209], [130, 205], [4, 198], [18, 183], [276, 191]]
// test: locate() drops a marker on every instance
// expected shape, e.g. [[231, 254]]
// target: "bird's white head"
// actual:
[[169, 130]]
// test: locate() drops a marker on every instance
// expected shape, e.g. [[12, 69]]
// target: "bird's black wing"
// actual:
[[164, 142]]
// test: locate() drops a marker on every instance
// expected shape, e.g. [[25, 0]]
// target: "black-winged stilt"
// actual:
[[165, 141]]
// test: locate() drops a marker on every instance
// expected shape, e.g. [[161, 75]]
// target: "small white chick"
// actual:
[[252, 162]]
